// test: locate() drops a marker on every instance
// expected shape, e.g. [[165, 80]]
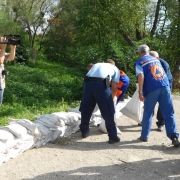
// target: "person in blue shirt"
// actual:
[[165, 65], [154, 87], [97, 91]]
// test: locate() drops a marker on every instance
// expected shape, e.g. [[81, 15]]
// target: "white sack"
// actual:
[[32, 127], [102, 126], [64, 116], [7, 138], [2, 147], [17, 130], [43, 129], [133, 107], [51, 120]]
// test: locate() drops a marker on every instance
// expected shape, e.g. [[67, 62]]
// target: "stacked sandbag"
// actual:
[[95, 118], [71, 120], [14, 139], [117, 107], [23, 134]]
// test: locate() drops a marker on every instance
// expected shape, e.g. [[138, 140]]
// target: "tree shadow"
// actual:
[[155, 168]]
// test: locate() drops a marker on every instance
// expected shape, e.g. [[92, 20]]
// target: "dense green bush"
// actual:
[[38, 89]]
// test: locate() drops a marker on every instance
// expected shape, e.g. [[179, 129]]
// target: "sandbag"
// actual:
[[134, 107], [102, 126], [17, 130], [32, 127]]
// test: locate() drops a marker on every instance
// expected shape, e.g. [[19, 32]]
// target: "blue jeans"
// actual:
[[1, 96], [163, 97], [159, 115]]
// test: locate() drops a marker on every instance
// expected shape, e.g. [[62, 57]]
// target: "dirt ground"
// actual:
[[93, 158]]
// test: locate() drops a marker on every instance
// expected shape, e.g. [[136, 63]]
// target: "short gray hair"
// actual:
[[143, 49], [154, 54]]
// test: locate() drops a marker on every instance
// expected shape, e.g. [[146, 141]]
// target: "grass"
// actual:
[[40, 89]]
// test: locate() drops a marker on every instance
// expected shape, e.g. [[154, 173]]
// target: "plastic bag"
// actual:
[[102, 126], [134, 107]]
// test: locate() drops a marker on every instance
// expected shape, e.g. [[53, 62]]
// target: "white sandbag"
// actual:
[[134, 107], [120, 105], [74, 116], [17, 130], [97, 111], [32, 127], [20, 147], [43, 129], [102, 127], [71, 129], [64, 116], [56, 134], [51, 120], [6, 137], [43, 140], [2, 147], [60, 129], [95, 120]]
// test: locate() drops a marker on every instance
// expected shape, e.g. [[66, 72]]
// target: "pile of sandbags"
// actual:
[[23, 134]]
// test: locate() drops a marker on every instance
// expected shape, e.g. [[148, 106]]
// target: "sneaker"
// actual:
[[160, 128], [85, 135], [114, 140], [144, 140], [175, 141]]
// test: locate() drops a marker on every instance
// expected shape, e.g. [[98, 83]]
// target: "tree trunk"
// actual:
[[156, 18]]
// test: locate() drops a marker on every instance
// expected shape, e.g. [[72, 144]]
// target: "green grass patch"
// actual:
[[40, 89]]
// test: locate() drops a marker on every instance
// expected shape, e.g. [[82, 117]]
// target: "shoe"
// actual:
[[175, 141], [85, 135], [114, 140], [144, 140], [160, 128]]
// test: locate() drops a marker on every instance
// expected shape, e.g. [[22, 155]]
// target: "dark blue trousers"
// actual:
[[97, 92]]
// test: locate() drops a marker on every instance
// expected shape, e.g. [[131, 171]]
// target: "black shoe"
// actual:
[[144, 140], [85, 135], [175, 141], [160, 128], [114, 140]]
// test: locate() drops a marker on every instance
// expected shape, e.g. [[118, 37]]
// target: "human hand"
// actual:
[[141, 97], [3, 40]]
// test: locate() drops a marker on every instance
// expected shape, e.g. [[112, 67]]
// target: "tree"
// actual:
[[32, 15]]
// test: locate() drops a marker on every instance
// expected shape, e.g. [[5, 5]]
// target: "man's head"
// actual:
[[154, 54], [89, 66], [110, 61], [143, 50]]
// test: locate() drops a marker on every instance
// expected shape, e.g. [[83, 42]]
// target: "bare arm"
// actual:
[[114, 89], [12, 53], [141, 82], [3, 49]]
